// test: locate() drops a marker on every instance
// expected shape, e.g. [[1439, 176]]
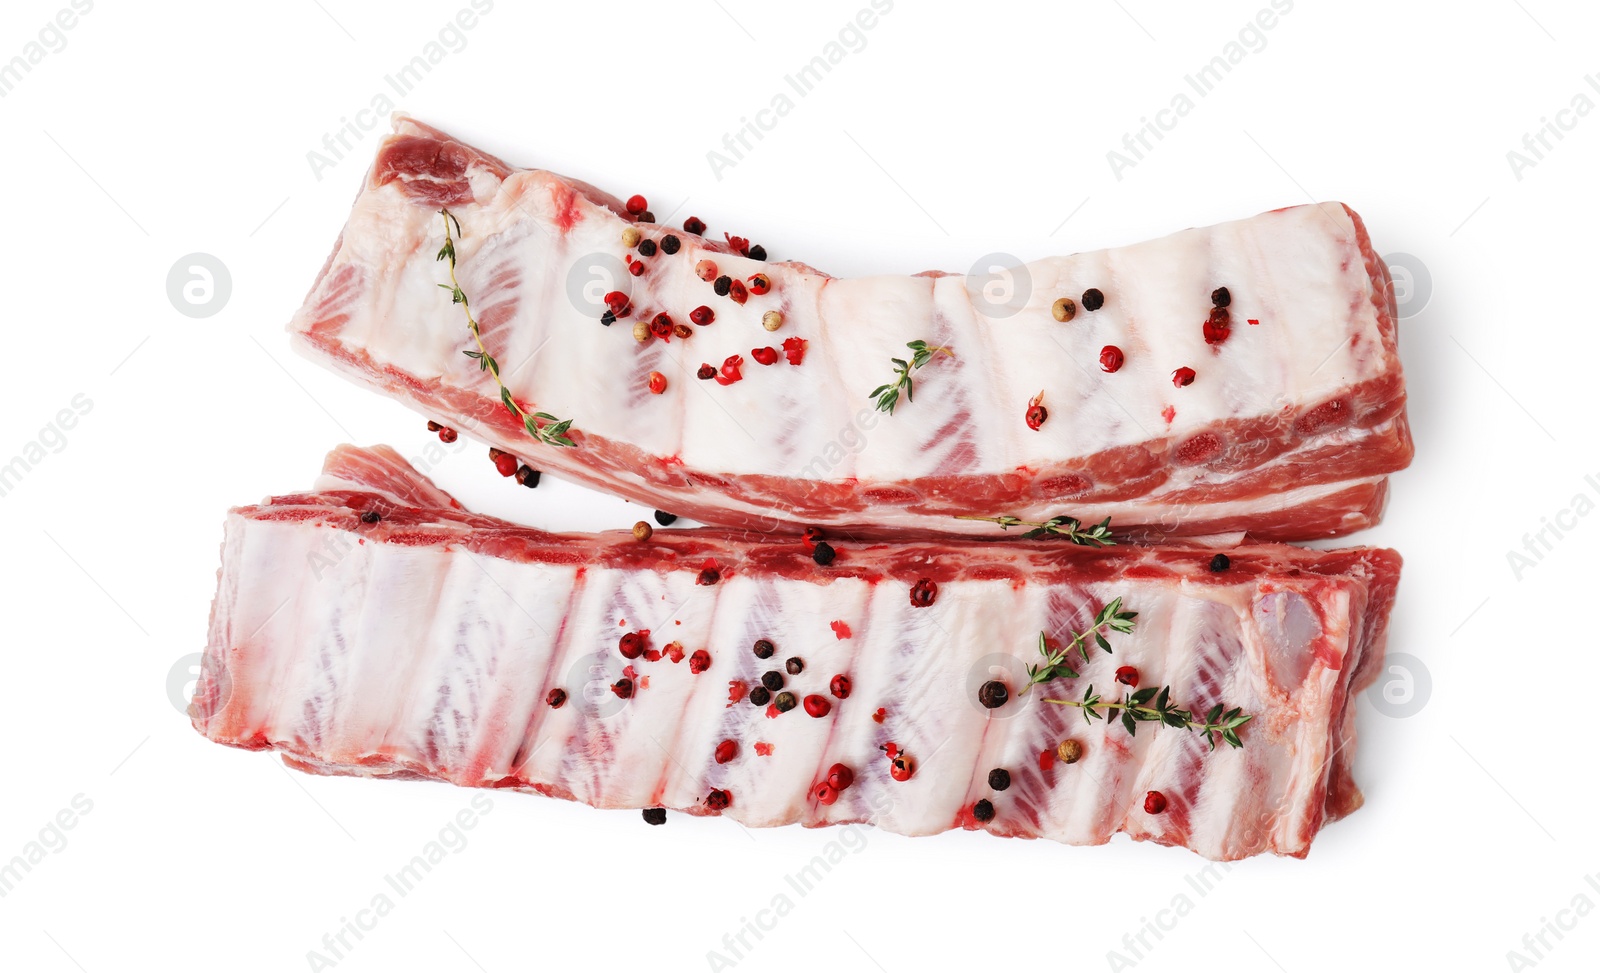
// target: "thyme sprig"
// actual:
[[542, 426], [889, 395], [1153, 705], [1110, 617], [1098, 535]]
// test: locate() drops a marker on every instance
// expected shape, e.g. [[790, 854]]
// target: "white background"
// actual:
[[161, 130]]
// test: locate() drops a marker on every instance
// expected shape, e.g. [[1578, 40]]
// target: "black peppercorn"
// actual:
[[785, 702], [794, 666], [999, 778], [993, 694], [527, 476], [823, 553], [705, 372], [1093, 300], [764, 648], [695, 225], [647, 217], [759, 696], [665, 519], [609, 318], [983, 811], [1221, 298], [557, 698], [371, 517], [647, 248], [757, 252], [670, 244], [1221, 563], [722, 285], [772, 679], [655, 815]]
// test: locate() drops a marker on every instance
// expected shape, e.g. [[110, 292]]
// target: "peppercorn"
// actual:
[[647, 217], [1064, 309], [772, 679], [371, 517], [706, 270], [1183, 376], [1036, 415], [656, 383], [1221, 298], [766, 356], [726, 751], [760, 696], [840, 686], [902, 767], [705, 371], [785, 702], [983, 812], [528, 476], [637, 204], [718, 800], [1221, 563], [670, 244], [823, 554], [1093, 300], [623, 688], [722, 285], [665, 519], [557, 698], [682, 331], [1154, 802], [825, 793], [760, 284], [924, 592], [695, 225], [1069, 751], [1128, 675], [772, 320], [999, 778], [1111, 358], [708, 576], [757, 252], [794, 666], [840, 777], [993, 694], [434, 426], [655, 815], [506, 464], [642, 531], [630, 237], [737, 292], [764, 649], [699, 661], [636, 268], [641, 331], [702, 315], [817, 706], [647, 248], [810, 537], [1216, 329], [447, 435], [608, 318], [631, 645]]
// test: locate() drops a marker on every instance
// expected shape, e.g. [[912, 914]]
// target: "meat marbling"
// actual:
[[423, 642], [1288, 430]]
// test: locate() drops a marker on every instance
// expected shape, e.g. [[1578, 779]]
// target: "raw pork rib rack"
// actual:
[[1294, 418], [424, 643]]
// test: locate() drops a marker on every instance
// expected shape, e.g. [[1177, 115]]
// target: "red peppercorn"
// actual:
[[726, 751], [661, 328], [902, 767], [708, 576], [447, 435], [737, 243], [702, 315], [1216, 326], [699, 661], [637, 205], [924, 592], [623, 688], [631, 645], [811, 536], [891, 749], [766, 356], [840, 777], [616, 300], [730, 370], [506, 464], [705, 372], [1036, 414], [719, 800], [825, 793], [434, 426], [706, 270], [1183, 376], [556, 698], [1155, 802], [737, 291], [794, 349], [636, 268], [1110, 358], [817, 706], [760, 284], [658, 383], [695, 224], [1128, 676], [840, 686]]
